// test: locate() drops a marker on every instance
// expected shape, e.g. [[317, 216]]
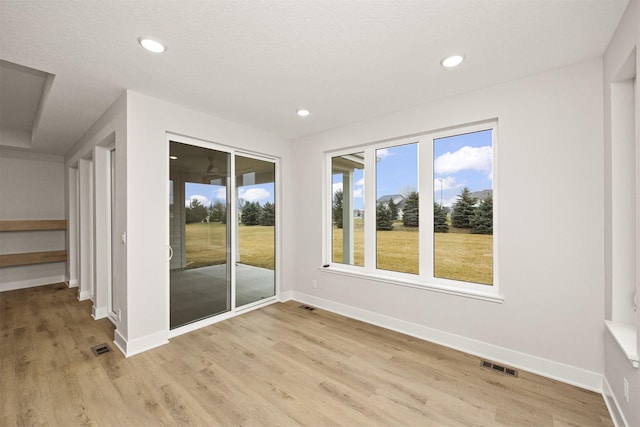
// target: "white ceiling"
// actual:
[[257, 61]]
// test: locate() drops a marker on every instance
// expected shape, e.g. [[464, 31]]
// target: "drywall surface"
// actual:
[[149, 122], [108, 132], [617, 366], [550, 219], [31, 187]]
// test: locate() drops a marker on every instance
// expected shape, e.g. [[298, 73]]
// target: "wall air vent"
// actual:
[[499, 368]]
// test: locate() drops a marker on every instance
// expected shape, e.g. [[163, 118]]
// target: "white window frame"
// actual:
[[425, 278]]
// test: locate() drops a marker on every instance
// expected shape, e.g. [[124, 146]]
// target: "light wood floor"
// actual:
[[278, 366]]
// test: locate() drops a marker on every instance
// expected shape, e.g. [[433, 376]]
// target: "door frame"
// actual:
[[231, 232], [103, 229]]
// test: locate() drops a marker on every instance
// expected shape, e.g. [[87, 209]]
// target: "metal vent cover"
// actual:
[[100, 349], [499, 368], [307, 307]]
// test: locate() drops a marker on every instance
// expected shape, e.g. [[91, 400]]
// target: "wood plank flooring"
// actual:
[[278, 366]]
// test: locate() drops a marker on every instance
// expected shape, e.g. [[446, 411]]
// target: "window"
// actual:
[[433, 198], [463, 221], [397, 210], [347, 214]]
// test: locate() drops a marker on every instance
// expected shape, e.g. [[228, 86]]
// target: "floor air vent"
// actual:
[[100, 349], [499, 368], [307, 307]]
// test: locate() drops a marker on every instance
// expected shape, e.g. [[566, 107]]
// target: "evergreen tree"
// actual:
[[463, 209], [393, 207], [337, 208], [482, 221], [218, 212], [268, 214], [411, 214], [251, 213], [440, 219], [195, 212], [383, 217]]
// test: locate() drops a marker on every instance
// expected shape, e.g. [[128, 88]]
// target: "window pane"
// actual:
[[397, 208], [256, 231], [348, 209], [200, 280], [463, 207]]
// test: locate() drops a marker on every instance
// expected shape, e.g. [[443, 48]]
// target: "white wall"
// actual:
[[86, 229], [31, 187], [108, 130], [550, 219], [148, 121], [617, 366]]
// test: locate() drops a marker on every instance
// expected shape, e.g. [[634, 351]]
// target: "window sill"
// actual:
[[626, 336], [434, 287]]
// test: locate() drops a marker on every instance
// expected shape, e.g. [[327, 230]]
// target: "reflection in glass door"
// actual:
[[255, 242], [200, 284]]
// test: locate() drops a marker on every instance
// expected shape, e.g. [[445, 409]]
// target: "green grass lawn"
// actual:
[[458, 256], [207, 245]]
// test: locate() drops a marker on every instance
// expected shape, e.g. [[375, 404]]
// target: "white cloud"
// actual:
[[474, 158], [221, 194], [337, 186], [358, 188], [254, 194], [383, 152], [202, 199], [448, 182]]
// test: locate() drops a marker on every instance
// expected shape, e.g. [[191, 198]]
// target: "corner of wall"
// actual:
[[132, 347]]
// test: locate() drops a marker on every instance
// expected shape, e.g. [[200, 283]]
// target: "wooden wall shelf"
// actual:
[[12, 260], [33, 225]]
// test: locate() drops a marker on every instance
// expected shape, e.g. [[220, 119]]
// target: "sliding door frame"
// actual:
[[232, 232], [235, 236]]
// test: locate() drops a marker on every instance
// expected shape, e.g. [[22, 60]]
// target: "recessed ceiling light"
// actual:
[[452, 61], [303, 113], [173, 157], [152, 45]]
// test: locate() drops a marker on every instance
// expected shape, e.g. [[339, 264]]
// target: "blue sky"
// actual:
[[459, 161], [208, 194], [462, 161]]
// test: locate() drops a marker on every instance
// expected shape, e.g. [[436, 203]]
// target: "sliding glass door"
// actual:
[[207, 232], [255, 250], [200, 284]]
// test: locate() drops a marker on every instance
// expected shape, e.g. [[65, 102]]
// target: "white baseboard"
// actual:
[[132, 347], [84, 295], [120, 342], [73, 283], [99, 312], [612, 405], [537, 365], [31, 283], [286, 296]]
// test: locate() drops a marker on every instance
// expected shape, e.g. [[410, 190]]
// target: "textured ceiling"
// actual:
[[257, 61]]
